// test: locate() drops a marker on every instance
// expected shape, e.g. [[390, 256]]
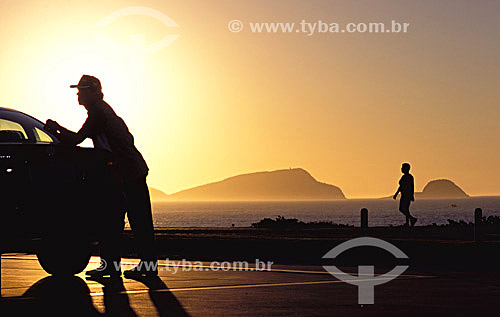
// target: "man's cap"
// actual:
[[88, 81]]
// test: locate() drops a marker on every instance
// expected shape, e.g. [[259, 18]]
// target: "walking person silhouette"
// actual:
[[108, 131], [407, 190]]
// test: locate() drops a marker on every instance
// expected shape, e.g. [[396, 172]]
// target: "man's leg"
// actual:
[[110, 243], [413, 220], [111, 228], [404, 205], [140, 217]]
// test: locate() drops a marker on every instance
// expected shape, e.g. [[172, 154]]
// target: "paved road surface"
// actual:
[[284, 290]]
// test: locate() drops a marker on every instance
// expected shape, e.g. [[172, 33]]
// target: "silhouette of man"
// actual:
[[109, 131], [406, 188]]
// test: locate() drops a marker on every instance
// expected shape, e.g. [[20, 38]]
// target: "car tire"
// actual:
[[60, 257]]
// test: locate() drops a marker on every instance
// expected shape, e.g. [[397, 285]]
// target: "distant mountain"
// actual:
[[441, 188], [288, 184], [157, 195]]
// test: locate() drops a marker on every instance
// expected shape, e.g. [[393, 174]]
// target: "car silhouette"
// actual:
[[54, 196]]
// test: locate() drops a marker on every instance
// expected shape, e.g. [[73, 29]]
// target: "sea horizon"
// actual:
[[382, 211]]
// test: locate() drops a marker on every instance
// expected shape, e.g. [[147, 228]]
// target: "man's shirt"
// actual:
[[108, 131], [406, 186]]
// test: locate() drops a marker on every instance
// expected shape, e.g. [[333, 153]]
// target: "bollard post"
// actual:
[[478, 219], [364, 219]]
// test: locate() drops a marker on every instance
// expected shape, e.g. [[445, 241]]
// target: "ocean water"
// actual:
[[382, 212]]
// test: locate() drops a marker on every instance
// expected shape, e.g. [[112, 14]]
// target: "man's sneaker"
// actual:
[[103, 271], [144, 268], [413, 220]]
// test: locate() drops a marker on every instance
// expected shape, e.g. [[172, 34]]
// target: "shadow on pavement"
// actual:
[[55, 296], [116, 301], [70, 296], [165, 302]]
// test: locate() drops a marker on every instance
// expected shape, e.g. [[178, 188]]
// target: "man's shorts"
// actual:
[[404, 205]]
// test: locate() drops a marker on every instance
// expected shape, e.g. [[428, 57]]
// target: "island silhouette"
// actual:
[[441, 188], [157, 195], [438, 189], [285, 184]]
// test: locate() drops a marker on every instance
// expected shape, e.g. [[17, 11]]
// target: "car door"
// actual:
[[48, 186]]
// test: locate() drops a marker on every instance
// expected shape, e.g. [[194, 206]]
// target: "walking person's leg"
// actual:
[[404, 208], [413, 220]]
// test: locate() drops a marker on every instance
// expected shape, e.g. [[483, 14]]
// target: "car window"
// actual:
[[18, 127], [42, 137], [12, 132]]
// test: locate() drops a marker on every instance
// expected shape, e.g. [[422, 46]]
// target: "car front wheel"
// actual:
[[63, 257]]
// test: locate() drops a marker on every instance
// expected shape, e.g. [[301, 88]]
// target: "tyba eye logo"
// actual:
[[137, 47], [366, 279]]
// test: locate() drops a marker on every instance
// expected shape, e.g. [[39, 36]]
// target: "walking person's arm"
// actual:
[[412, 189], [397, 192], [399, 188]]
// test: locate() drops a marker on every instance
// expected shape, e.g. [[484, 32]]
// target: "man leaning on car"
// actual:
[[108, 131]]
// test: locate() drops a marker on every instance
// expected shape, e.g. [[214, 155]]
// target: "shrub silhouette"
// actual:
[[285, 223]]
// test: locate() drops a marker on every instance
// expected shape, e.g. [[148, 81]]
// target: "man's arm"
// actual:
[[397, 192], [399, 188], [412, 189], [66, 136]]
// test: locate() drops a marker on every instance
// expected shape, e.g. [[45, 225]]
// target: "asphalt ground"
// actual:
[[180, 290]]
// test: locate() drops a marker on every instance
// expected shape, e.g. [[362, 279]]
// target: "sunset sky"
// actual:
[[348, 108]]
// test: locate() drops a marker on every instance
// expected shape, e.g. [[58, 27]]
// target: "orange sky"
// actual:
[[349, 108]]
